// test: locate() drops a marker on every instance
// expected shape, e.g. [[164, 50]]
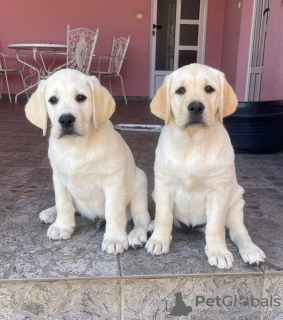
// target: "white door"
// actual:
[[178, 37], [257, 49]]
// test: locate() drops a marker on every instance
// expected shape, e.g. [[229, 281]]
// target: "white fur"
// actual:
[[195, 179], [94, 172]]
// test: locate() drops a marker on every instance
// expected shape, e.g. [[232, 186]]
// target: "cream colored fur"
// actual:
[[195, 179], [94, 172]]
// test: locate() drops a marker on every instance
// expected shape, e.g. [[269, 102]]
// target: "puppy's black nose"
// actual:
[[67, 120], [196, 108]]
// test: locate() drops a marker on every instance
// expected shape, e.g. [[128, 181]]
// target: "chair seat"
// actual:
[[9, 70]]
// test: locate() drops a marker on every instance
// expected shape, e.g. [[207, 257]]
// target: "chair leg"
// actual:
[[123, 89], [24, 84], [8, 87], [110, 85], [1, 86]]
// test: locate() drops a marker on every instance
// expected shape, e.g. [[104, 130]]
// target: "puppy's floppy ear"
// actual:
[[103, 104], [35, 109], [160, 105], [227, 101]]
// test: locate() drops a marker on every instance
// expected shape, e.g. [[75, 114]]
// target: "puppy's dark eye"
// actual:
[[208, 89], [181, 90], [80, 98], [53, 100]]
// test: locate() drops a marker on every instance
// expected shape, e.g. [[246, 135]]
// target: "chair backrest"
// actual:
[[80, 47], [119, 49]]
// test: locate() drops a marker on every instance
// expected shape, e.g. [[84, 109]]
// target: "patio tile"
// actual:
[[21, 159], [158, 299], [272, 296], [60, 300], [32, 255], [186, 257]]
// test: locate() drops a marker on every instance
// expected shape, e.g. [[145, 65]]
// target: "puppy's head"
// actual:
[[74, 102], [194, 96]]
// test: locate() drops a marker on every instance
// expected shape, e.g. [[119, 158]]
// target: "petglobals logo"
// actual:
[[234, 301]]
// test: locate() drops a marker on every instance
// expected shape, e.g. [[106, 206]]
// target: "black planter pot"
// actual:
[[256, 127]]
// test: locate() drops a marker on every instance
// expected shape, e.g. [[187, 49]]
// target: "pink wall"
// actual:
[[214, 35], [243, 49], [46, 21], [272, 80], [236, 42], [231, 35], [39, 21]]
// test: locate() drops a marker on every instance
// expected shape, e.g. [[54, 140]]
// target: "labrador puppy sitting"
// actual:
[[195, 179], [94, 171]]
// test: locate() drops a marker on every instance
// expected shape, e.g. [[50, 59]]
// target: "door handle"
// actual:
[[156, 26], [265, 11]]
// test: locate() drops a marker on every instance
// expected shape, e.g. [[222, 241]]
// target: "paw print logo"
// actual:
[[243, 301]]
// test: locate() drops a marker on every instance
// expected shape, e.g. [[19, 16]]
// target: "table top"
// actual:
[[41, 46]]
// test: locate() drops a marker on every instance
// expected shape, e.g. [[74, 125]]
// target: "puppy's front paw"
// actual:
[[115, 244], [220, 258], [48, 215], [158, 245], [57, 232], [137, 238], [252, 254]]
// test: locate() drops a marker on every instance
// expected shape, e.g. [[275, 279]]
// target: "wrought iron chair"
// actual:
[[80, 46], [116, 60], [4, 71]]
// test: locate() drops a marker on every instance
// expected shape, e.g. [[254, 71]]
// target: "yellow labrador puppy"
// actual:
[[195, 179], [94, 171]]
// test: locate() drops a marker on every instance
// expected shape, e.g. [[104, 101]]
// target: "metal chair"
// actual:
[[4, 71], [116, 59], [80, 46]]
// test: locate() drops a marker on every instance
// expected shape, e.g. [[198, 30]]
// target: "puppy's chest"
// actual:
[[82, 179]]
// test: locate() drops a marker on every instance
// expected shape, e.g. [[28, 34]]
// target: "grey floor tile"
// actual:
[[272, 298], [77, 300], [31, 254], [192, 298], [186, 256]]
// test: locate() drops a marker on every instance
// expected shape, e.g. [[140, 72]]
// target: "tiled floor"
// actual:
[[74, 279]]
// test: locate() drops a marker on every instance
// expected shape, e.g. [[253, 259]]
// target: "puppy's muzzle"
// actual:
[[195, 109], [67, 123]]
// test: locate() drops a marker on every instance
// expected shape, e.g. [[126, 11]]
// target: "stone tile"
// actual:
[[15, 178], [272, 298], [186, 256], [250, 178], [259, 160], [263, 217], [41, 179], [75, 300], [21, 159], [30, 254], [157, 299]]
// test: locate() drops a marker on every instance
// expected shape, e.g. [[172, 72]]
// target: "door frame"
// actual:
[[152, 46]]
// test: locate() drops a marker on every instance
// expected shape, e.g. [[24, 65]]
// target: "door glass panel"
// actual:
[[190, 9], [187, 57], [188, 35], [165, 36]]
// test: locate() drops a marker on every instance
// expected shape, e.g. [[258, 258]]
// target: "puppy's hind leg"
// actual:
[[139, 211], [48, 215], [249, 252]]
